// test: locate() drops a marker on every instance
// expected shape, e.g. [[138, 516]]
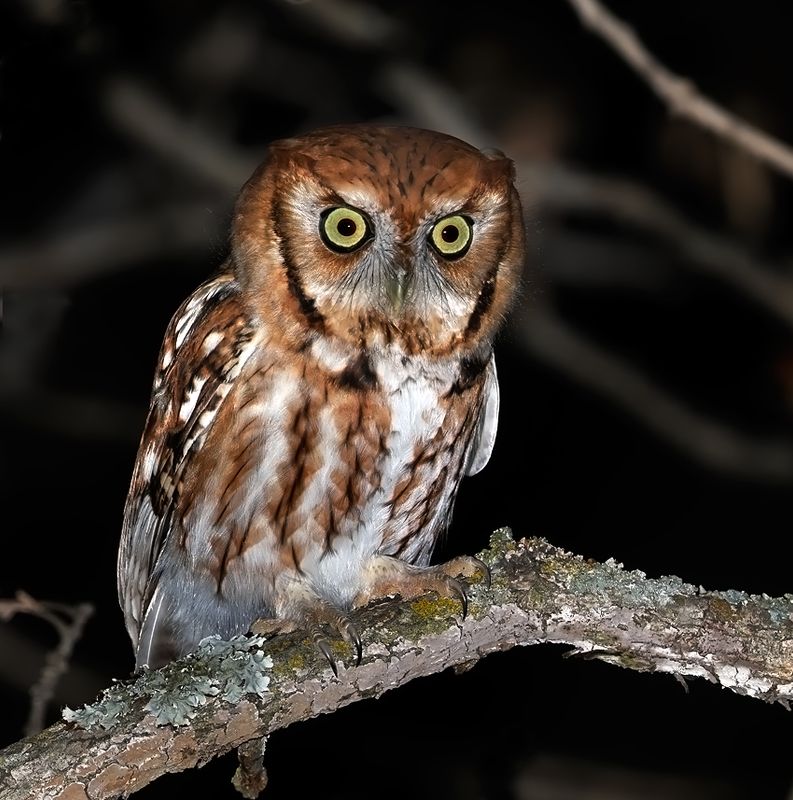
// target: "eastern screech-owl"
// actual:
[[317, 403]]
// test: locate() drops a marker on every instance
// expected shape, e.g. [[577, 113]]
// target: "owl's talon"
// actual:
[[321, 643], [354, 638], [324, 621], [350, 635], [467, 567], [388, 576], [457, 589]]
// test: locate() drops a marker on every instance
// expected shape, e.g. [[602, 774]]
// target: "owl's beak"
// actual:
[[397, 287]]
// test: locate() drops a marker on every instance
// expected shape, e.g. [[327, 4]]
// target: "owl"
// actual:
[[317, 403]]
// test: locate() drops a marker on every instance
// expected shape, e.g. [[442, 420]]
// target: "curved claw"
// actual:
[[358, 647], [458, 590], [469, 567], [350, 634], [321, 643]]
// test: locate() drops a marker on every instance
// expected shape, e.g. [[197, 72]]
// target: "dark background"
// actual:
[[127, 130]]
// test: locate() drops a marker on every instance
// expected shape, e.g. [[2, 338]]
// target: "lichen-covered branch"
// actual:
[[227, 694]]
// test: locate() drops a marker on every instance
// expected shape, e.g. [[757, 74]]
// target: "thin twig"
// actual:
[[715, 446], [350, 23], [426, 101], [68, 622], [679, 93], [110, 246], [57, 662], [566, 189], [140, 112], [79, 682]]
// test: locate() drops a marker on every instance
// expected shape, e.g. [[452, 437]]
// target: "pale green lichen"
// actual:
[[177, 706], [104, 714], [228, 669], [780, 614], [501, 543], [734, 596], [238, 666]]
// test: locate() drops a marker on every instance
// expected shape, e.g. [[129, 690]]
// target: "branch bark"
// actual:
[[226, 695]]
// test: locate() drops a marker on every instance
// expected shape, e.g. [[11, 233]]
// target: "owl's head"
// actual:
[[380, 236]]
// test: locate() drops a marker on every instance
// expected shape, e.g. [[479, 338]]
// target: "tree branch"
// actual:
[[68, 622], [109, 246], [680, 94], [715, 445], [227, 694], [143, 114], [565, 189]]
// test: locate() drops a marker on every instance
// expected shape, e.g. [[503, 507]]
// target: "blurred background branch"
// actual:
[[679, 93], [715, 446], [68, 622]]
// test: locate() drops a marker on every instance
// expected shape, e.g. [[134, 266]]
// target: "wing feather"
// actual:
[[485, 435], [204, 347]]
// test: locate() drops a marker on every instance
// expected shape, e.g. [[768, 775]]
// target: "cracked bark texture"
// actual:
[[539, 593]]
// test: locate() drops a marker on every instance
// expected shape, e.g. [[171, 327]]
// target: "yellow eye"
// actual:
[[451, 236], [344, 229]]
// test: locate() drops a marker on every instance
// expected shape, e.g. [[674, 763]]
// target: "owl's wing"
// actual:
[[485, 434], [204, 349]]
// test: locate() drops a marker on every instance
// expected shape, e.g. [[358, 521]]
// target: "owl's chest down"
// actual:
[[315, 464]]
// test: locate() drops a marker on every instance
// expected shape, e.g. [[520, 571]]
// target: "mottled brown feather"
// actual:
[[314, 411]]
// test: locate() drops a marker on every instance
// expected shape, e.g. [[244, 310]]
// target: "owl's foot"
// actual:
[[387, 576], [316, 617]]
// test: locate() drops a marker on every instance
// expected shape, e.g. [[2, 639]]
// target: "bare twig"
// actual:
[[715, 446], [427, 102], [84, 417], [680, 94], [106, 247], [567, 189], [349, 22], [139, 112], [226, 695], [79, 682], [55, 665], [68, 622]]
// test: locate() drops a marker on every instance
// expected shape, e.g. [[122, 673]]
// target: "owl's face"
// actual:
[[381, 235]]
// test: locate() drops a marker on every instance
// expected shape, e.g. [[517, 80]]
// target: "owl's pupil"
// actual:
[[450, 234], [346, 227]]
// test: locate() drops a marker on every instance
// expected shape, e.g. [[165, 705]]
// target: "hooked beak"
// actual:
[[397, 286]]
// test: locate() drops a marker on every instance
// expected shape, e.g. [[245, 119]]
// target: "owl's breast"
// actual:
[[313, 465], [397, 446]]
